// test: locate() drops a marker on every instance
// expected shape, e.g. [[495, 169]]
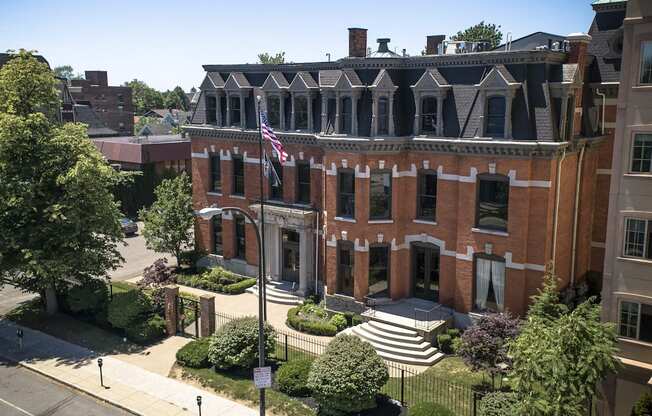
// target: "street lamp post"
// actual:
[[207, 214]]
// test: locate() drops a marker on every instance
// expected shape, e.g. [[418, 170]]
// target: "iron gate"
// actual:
[[188, 316]]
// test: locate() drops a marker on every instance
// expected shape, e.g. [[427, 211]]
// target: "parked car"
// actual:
[[128, 226]]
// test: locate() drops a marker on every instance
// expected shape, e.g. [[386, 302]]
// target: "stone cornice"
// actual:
[[469, 59], [505, 148]]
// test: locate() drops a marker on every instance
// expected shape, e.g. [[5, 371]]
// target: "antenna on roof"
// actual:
[[328, 55]]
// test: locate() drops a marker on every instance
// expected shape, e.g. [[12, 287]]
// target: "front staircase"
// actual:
[[279, 292], [396, 343]]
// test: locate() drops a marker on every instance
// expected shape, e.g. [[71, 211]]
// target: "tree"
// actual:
[[144, 97], [175, 99], [157, 274], [484, 344], [58, 218], [66, 71], [265, 58], [169, 221], [560, 356], [481, 32]]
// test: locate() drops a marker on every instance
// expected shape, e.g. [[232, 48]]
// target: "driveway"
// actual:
[[137, 257]]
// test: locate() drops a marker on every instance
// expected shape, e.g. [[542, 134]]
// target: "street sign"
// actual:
[[263, 377]]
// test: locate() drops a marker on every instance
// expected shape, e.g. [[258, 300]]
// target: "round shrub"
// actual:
[[338, 321], [194, 354], [91, 297], [453, 332], [148, 331], [292, 378], [643, 406], [499, 404], [235, 344], [347, 377], [128, 309], [429, 409], [445, 343]]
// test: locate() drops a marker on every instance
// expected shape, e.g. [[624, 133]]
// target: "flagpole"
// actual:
[[262, 291]]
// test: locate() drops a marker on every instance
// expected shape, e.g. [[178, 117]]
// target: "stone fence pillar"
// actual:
[[207, 315], [171, 313]]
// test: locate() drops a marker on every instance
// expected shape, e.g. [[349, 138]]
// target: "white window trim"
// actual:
[[638, 320], [625, 231], [640, 66], [631, 153]]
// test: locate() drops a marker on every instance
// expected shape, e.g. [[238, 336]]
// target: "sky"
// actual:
[[165, 43]]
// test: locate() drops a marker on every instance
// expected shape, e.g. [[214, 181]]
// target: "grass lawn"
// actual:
[[240, 386]]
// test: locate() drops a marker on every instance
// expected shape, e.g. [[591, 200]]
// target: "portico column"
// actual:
[[282, 109], [354, 114], [311, 123], [228, 110], [243, 122], [338, 109], [324, 111], [218, 108], [304, 260], [440, 121], [293, 123], [391, 113], [417, 114]]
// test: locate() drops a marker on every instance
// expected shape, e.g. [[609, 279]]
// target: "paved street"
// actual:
[[136, 256], [24, 393]]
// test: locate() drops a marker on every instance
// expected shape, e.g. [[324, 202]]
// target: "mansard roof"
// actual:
[[431, 79], [341, 79], [303, 81], [383, 81], [236, 81], [275, 81], [213, 80], [498, 78]]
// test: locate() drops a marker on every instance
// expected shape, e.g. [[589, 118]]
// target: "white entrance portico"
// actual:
[[289, 245]]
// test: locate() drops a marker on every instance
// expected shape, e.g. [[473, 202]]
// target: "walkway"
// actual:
[[128, 386]]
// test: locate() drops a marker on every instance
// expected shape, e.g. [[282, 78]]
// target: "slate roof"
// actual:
[[307, 79], [606, 30], [279, 79], [328, 78], [213, 80], [240, 80]]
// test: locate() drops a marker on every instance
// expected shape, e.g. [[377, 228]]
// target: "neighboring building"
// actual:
[[172, 116], [171, 152], [627, 286], [112, 104], [451, 178], [536, 40]]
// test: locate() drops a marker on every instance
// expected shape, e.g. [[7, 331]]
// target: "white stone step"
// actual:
[[392, 329], [367, 332], [279, 297], [277, 293], [405, 351], [412, 361]]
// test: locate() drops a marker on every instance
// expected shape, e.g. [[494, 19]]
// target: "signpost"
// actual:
[[263, 377]]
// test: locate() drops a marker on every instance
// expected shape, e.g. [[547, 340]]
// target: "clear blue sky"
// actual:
[[165, 42]]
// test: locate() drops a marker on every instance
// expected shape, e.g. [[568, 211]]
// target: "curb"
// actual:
[[73, 387]]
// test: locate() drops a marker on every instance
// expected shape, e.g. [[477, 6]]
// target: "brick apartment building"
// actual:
[[112, 104], [453, 177]]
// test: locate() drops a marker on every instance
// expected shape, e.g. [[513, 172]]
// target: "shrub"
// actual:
[[292, 378], [347, 377], [128, 309], [338, 321], [194, 354], [189, 257], [239, 287], [429, 409], [310, 327], [148, 331], [445, 343], [235, 344], [356, 320], [456, 345], [643, 406], [157, 274], [91, 297], [454, 333], [499, 404]]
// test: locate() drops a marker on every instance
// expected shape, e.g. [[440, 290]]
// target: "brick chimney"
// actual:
[[96, 78], [357, 42], [433, 42], [578, 44]]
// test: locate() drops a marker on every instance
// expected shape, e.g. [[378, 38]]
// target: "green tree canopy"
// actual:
[[560, 356], [66, 71], [176, 99], [144, 97], [58, 218], [481, 32], [266, 58], [169, 220]]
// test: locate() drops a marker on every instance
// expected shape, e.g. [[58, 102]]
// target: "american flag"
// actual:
[[268, 134]]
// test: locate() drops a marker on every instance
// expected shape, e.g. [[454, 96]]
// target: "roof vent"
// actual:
[[382, 44]]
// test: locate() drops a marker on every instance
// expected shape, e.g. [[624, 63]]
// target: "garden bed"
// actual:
[[313, 319], [218, 280]]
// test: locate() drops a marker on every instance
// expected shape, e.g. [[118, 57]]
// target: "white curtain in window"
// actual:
[[498, 279], [483, 275]]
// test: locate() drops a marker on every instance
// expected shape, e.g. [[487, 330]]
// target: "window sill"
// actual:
[[238, 197], [635, 260], [634, 341], [490, 232], [214, 193], [640, 175], [426, 222], [642, 87], [344, 219], [380, 222]]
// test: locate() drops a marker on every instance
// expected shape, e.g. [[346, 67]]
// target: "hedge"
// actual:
[[147, 332], [194, 354], [310, 327], [91, 297], [239, 287], [218, 280], [128, 309], [292, 378]]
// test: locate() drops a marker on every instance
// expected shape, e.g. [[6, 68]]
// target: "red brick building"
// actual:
[[454, 177]]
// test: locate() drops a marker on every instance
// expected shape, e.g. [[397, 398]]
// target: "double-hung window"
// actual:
[[380, 196], [240, 239], [429, 115], [216, 174], [496, 108], [238, 175], [427, 196], [211, 110], [218, 247], [646, 63], [635, 321], [274, 111], [642, 153], [383, 116], [345, 268], [303, 182], [301, 112], [493, 202], [346, 193], [235, 111], [638, 238]]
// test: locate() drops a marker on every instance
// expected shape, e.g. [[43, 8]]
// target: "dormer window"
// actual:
[[429, 115], [301, 113], [237, 90], [235, 110], [345, 86], [495, 117], [430, 93], [274, 111], [302, 92], [275, 88], [383, 116], [383, 90], [347, 121], [497, 91]]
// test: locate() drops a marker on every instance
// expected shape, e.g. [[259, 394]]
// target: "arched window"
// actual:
[[383, 116], [429, 115], [347, 108], [495, 117]]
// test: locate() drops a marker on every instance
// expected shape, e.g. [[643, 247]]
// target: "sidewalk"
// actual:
[[127, 386]]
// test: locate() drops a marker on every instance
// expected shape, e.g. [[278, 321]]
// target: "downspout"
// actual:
[[578, 181], [556, 217], [604, 106], [317, 253]]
